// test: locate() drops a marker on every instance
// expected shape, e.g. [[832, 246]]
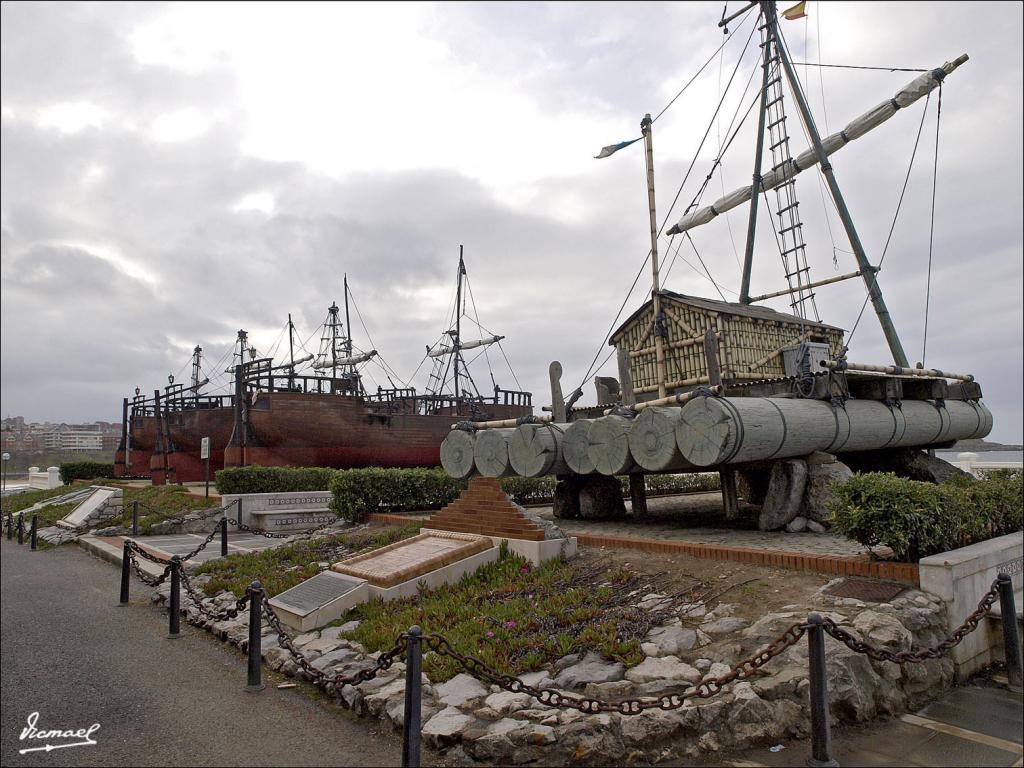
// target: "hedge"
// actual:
[[917, 519], [357, 492], [84, 470]]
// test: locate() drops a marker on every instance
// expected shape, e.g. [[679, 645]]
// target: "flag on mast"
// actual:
[[798, 11], [611, 149]]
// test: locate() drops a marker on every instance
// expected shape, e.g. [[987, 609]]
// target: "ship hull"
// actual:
[[136, 462], [186, 429], [297, 429]]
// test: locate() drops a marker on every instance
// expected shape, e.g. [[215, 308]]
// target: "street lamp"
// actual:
[[6, 457]]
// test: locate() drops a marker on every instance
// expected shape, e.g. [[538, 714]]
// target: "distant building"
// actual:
[[74, 437], [18, 436]]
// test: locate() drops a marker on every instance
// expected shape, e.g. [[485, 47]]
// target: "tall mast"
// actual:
[[659, 322], [291, 352], [197, 356], [458, 317], [348, 328], [333, 310], [748, 253], [867, 271]]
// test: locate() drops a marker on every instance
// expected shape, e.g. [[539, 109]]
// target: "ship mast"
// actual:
[[333, 314], [659, 320], [348, 330], [456, 348], [197, 356], [291, 352]]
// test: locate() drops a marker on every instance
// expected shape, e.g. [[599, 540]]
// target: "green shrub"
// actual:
[[84, 470], [273, 479], [917, 519], [358, 492]]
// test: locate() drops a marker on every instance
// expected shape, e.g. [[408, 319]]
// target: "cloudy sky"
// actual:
[[171, 173]]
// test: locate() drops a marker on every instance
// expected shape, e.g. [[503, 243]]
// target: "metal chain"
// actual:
[[145, 578], [553, 698], [910, 657], [337, 681], [134, 547], [198, 597], [258, 531]]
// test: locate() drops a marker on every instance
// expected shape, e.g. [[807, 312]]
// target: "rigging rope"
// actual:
[[931, 230], [853, 66], [384, 364], [899, 205]]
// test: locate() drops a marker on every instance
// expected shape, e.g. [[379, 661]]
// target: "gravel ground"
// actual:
[[71, 655]]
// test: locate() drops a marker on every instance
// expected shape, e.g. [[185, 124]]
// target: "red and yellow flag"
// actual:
[[798, 11]]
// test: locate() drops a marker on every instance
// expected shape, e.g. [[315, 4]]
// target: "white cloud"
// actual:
[[180, 125], [72, 117]]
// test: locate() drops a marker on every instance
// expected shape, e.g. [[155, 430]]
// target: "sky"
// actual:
[[174, 172]]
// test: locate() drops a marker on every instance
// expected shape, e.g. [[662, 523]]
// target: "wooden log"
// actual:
[[490, 452], [457, 453], [652, 440], [557, 401], [575, 447], [500, 423], [730, 430], [608, 445], [536, 450], [895, 370]]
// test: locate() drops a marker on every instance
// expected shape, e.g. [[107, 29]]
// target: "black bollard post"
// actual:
[[413, 699], [238, 502], [1011, 639], [224, 536], [32, 533], [21, 528], [10, 526], [126, 571], [821, 732], [255, 682], [135, 517], [174, 631]]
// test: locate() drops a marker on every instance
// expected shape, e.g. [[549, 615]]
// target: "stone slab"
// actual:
[[413, 558], [288, 511], [447, 574], [319, 600], [91, 507]]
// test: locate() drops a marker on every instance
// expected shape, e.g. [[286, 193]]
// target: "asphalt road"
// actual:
[[70, 654]]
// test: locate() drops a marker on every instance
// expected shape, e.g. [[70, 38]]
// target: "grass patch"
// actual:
[[158, 503], [516, 617], [19, 501], [283, 567]]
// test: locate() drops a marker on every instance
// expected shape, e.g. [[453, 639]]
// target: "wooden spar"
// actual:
[[895, 370], [490, 453], [730, 430], [652, 440], [625, 378], [670, 400], [688, 342], [536, 450], [659, 331], [808, 286], [680, 383], [575, 447], [557, 400], [608, 445], [500, 423], [457, 453]]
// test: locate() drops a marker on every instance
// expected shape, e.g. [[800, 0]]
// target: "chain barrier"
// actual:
[[271, 535], [911, 657], [337, 681], [145, 578], [198, 597]]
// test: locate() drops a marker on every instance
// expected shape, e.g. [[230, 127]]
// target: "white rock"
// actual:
[[726, 625], [668, 669], [460, 691], [815, 527], [321, 645], [797, 525], [669, 641], [717, 669], [307, 637], [506, 702], [591, 669], [703, 664], [743, 691], [693, 610], [446, 726]]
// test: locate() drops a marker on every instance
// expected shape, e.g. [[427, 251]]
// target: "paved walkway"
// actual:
[[75, 658], [980, 724]]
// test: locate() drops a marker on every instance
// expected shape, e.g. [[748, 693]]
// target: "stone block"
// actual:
[[785, 494]]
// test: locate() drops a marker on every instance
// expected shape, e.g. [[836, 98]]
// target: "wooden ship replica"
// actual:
[[325, 417], [705, 384]]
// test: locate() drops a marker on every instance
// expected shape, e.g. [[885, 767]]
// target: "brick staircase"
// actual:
[[485, 509]]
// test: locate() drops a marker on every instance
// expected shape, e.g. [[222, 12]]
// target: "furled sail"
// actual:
[[353, 360], [442, 351], [921, 86], [298, 361]]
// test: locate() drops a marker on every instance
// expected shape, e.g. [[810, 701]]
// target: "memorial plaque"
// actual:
[[316, 592]]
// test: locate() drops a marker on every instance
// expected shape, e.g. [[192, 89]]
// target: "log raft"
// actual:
[[490, 452], [457, 453], [733, 430], [536, 450], [652, 440]]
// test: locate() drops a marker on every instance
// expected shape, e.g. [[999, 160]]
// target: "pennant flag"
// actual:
[[798, 11], [611, 149]]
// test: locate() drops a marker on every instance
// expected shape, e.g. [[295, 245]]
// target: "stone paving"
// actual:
[[183, 543], [670, 518]]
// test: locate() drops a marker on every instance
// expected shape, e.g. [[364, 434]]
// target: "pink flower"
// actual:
[[490, 634], [510, 624], [525, 569]]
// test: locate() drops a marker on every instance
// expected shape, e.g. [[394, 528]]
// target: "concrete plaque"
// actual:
[[319, 600]]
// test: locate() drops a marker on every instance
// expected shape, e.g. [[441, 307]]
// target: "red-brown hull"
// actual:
[[187, 429], [143, 443], [295, 429]]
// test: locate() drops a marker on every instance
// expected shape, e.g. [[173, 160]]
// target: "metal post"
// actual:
[[206, 475], [126, 571], [135, 517], [175, 599], [239, 512], [255, 631], [1011, 640], [821, 734], [864, 266], [413, 699], [21, 528], [10, 526], [224, 536], [659, 330], [32, 533]]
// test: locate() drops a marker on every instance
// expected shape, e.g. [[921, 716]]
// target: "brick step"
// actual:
[[480, 518], [495, 524], [491, 531]]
